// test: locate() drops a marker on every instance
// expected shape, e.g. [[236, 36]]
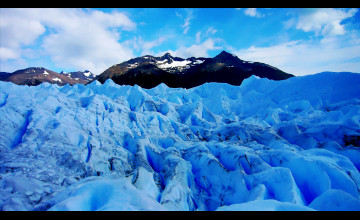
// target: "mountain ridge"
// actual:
[[33, 76], [149, 71]]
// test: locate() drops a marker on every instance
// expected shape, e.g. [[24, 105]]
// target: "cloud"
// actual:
[[211, 30], [253, 12], [144, 46], [307, 57], [73, 38], [188, 18], [8, 53], [196, 50], [17, 31], [335, 50], [198, 37], [324, 21]]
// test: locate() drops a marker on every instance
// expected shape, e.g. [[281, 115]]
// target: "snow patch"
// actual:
[[56, 79], [174, 64]]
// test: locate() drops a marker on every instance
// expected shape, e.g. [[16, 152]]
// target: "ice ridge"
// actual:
[[264, 145]]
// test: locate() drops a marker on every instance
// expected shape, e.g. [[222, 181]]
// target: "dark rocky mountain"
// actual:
[[34, 76], [4, 76], [149, 71]]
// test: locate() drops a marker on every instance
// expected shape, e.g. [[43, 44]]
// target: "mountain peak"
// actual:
[[225, 54], [226, 57], [167, 55], [187, 73]]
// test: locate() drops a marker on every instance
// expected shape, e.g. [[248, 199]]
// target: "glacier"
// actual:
[[265, 145]]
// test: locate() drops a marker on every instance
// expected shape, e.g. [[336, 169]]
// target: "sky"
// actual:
[[300, 41]]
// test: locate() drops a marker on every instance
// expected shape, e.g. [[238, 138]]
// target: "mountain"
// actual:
[[81, 77], [264, 145], [34, 76], [149, 71]]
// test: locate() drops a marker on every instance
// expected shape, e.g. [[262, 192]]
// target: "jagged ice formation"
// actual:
[[264, 145]]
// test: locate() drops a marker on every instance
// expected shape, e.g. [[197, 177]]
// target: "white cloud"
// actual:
[[144, 46], [93, 49], [211, 30], [188, 18], [8, 53], [17, 31], [198, 37], [289, 23], [325, 21], [253, 12], [196, 50], [76, 38], [113, 19], [337, 50], [306, 57]]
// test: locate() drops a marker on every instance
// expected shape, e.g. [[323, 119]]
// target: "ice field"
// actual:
[[264, 145]]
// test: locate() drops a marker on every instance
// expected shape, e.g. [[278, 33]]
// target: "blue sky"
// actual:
[[298, 41]]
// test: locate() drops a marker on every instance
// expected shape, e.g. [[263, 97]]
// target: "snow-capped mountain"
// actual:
[[34, 76], [149, 71], [81, 77], [263, 145]]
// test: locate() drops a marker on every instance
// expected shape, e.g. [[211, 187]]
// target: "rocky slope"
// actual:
[[149, 71], [34, 76]]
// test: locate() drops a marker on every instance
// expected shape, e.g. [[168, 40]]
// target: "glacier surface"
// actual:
[[264, 145]]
